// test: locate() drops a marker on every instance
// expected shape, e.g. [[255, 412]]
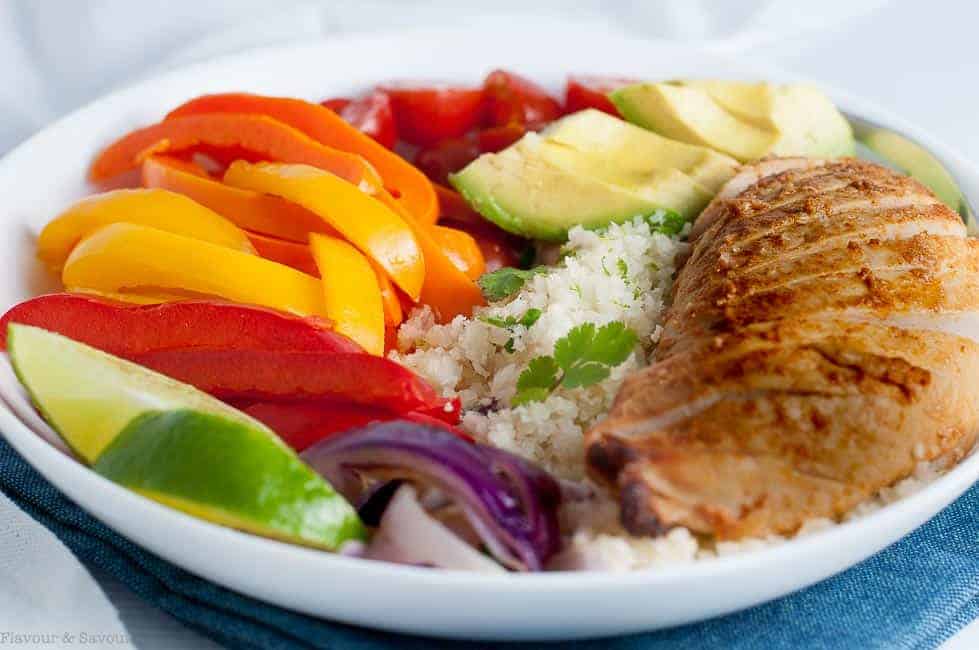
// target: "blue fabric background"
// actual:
[[915, 594]]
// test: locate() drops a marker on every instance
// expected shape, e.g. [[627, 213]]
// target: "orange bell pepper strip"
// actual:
[[351, 293], [393, 314], [461, 249], [253, 211], [403, 181], [283, 251], [362, 220], [268, 138], [122, 259], [155, 208]]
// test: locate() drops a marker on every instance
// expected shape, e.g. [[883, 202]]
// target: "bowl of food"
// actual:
[[524, 347]]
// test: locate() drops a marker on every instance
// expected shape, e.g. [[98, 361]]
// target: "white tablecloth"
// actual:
[[912, 57]]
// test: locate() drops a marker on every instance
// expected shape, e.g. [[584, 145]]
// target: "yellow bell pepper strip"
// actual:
[[408, 185], [155, 208], [362, 220], [393, 314], [352, 296], [261, 213], [461, 249], [122, 259]]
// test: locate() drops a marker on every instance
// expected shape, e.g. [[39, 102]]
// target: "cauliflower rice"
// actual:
[[621, 274]]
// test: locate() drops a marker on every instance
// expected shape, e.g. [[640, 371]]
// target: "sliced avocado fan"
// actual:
[[590, 169], [744, 119]]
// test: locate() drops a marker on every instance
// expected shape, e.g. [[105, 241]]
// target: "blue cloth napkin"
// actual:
[[915, 594]]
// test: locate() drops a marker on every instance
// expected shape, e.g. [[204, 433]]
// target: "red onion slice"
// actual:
[[511, 504]]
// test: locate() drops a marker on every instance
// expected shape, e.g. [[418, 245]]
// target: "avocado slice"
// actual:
[[799, 120], [633, 153], [691, 115], [541, 187], [175, 444]]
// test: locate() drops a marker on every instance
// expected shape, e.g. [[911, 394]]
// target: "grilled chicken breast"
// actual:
[[821, 341]]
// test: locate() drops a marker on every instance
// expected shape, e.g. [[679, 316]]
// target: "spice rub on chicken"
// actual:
[[822, 340]]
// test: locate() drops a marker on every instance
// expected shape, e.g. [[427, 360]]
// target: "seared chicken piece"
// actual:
[[822, 341]]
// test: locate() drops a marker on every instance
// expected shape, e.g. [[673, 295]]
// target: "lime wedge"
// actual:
[[177, 445]]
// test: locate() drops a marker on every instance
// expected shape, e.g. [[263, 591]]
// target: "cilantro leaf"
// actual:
[[611, 345], [582, 357], [505, 282], [530, 395], [536, 381], [574, 345], [586, 374]]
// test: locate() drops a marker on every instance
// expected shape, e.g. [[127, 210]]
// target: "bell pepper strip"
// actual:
[[351, 292], [372, 114], [512, 99], [122, 257], [253, 211], [499, 248], [427, 113], [280, 376], [583, 92], [283, 251], [401, 180], [365, 222], [267, 138], [303, 424], [461, 249], [393, 314], [451, 155], [156, 208], [127, 331]]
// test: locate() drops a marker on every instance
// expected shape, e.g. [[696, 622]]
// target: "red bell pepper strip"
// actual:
[[427, 113], [303, 424], [409, 187], [373, 115], [127, 331], [592, 92], [275, 376], [512, 99], [268, 138]]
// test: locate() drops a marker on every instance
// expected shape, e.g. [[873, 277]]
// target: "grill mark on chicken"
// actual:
[[813, 350]]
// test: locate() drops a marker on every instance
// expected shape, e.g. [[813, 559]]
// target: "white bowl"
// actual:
[[46, 173]]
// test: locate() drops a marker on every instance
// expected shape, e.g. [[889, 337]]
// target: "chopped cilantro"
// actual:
[[505, 282]]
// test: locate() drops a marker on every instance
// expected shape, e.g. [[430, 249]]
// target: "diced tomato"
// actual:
[[499, 138], [374, 116], [426, 114], [447, 157], [371, 114], [451, 155], [336, 104], [592, 92], [511, 99]]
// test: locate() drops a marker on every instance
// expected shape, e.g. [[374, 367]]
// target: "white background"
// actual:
[[915, 58]]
